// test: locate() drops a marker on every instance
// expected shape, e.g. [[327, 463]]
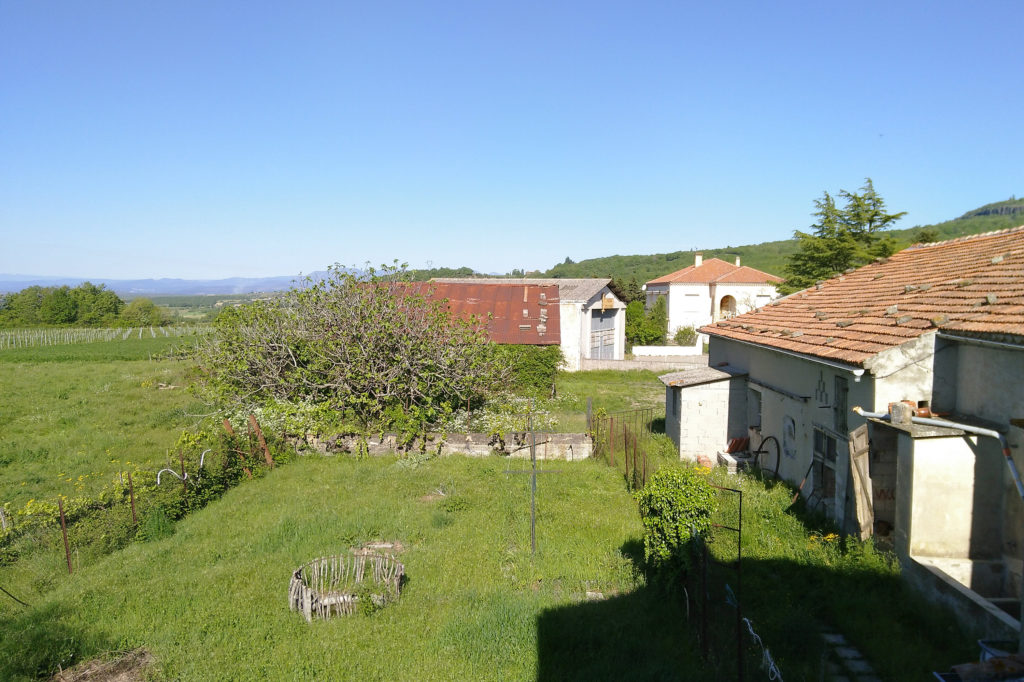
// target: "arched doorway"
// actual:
[[727, 307]]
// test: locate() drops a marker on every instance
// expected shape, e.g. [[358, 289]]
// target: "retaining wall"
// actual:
[[566, 446]]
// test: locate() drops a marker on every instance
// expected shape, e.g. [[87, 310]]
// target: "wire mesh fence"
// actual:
[[714, 594], [623, 441]]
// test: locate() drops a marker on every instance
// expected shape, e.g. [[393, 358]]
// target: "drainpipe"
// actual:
[[963, 427]]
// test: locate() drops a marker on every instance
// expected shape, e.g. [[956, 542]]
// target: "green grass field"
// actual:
[[85, 410], [210, 600]]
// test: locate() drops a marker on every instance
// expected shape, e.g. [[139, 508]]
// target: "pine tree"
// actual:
[[842, 238]]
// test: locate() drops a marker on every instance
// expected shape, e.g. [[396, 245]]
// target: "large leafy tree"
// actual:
[[370, 346], [841, 238]]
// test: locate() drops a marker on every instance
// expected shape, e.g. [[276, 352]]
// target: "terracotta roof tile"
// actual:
[[970, 285], [717, 270]]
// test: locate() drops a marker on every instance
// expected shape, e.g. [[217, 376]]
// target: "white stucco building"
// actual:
[[710, 290], [592, 319], [938, 327]]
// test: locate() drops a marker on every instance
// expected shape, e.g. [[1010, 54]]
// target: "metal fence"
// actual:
[[714, 593], [623, 440]]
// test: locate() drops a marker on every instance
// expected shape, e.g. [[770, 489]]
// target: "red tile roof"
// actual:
[[523, 314], [717, 271], [971, 285]]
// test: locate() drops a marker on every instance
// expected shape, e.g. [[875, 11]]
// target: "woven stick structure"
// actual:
[[332, 585]]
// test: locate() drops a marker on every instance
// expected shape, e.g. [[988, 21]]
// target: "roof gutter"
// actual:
[[857, 372], [978, 431], [980, 342]]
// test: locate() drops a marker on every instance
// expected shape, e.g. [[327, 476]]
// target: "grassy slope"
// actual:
[[772, 256], [72, 409], [210, 601]]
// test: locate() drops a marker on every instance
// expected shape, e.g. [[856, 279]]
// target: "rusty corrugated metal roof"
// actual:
[[521, 314]]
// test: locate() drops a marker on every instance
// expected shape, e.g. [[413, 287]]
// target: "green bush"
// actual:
[[675, 504], [647, 328], [686, 336], [530, 367]]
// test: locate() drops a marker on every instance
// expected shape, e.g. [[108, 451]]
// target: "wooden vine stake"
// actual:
[[241, 455], [263, 442]]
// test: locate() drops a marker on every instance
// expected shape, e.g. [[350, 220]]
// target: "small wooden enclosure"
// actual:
[[334, 585]]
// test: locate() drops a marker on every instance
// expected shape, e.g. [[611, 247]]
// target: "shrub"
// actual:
[[686, 336], [529, 367], [645, 329], [361, 344], [675, 504]]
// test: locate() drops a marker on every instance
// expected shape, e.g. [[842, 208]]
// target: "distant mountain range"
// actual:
[[768, 256], [158, 287]]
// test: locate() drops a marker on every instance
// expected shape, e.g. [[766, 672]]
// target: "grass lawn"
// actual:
[[611, 390], [74, 415], [210, 601]]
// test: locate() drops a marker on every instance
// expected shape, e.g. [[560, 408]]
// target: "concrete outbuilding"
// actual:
[[934, 329]]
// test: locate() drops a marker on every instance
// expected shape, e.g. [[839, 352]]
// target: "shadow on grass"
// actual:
[[642, 635], [634, 636], [39, 642], [653, 633]]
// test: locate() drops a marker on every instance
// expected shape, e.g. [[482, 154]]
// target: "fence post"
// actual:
[[739, 593], [704, 645], [262, 440], [611, 440], [64, 532], [590, 414]]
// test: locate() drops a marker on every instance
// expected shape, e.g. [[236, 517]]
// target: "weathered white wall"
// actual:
[[699, 304], [802, 392], [903, 373], [570, 326], [935, 496], [708, 416], [574, 325], [990, 386], [748, 296], [668, 351], [688, 304]]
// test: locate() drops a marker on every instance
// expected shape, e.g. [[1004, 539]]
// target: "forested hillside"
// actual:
[[771, 256]]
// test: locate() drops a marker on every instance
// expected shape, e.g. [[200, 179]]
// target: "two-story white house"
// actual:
[[710, 290]]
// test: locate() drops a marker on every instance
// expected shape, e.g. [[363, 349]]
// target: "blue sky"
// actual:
[[215, 139]]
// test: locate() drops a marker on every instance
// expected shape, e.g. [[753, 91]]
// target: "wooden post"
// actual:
[[590, 414], [131, 493], [611, 440], [227, 427], [263, 442], [64, 532]]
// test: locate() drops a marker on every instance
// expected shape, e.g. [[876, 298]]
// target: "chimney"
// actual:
[[698, 258], [737, 261]]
